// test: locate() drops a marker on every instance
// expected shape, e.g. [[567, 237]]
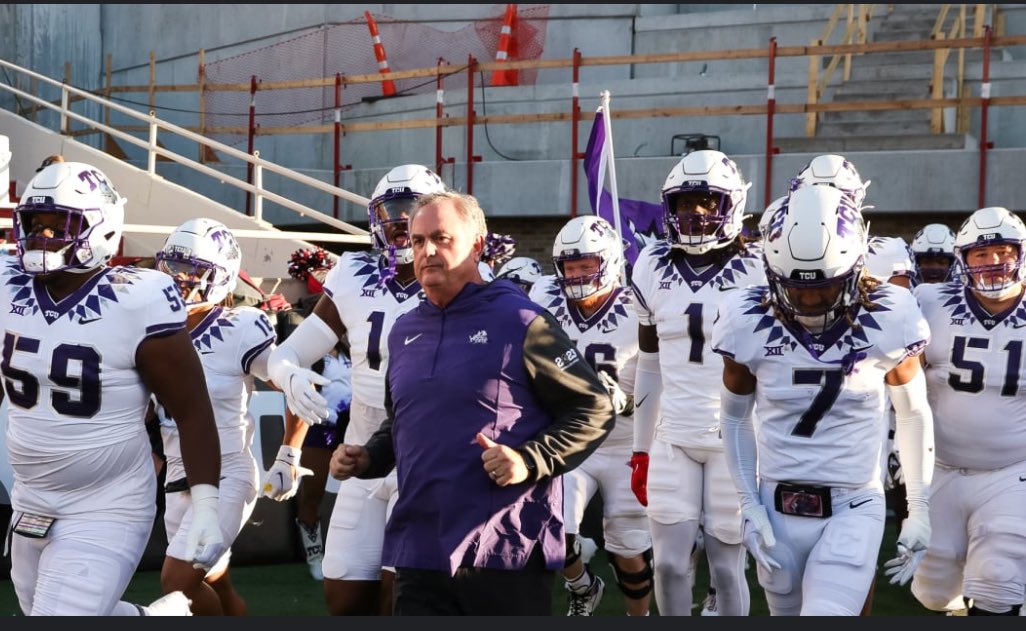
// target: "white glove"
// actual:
[[281, 482], [758, 536], [620, 399], [895, 477], [912, 543], [204, 544], [300, 388]]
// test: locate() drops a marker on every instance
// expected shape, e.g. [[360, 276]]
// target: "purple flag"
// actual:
[[640, 222]]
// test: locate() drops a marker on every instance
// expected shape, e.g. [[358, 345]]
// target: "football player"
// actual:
[[364, 293], [977, 554], [204, 259], [85, 346], [813, 352], [678, 468], [597, 313], [934, 250]]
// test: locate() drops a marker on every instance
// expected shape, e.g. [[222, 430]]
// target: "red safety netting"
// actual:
[[347, 49]]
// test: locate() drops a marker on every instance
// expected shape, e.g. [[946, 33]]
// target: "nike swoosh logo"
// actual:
[[637, 404], [727, 288], [407, 341], [1019, 325], [854, 505], [1022, 478], [84, 321]]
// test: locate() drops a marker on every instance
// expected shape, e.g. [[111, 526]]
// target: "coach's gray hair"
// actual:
[[466, 206]]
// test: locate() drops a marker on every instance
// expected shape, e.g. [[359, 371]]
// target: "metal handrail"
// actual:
[[355, 233]]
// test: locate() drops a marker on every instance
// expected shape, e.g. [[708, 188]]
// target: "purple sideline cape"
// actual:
[[640, 221]]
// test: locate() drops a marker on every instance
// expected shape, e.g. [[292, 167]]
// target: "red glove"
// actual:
[[639, 476]]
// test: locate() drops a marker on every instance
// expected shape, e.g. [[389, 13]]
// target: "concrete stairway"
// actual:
[[896, 76]]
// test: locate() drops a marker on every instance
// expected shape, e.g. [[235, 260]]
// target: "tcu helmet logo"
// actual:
[[225, 244], [848, 218]]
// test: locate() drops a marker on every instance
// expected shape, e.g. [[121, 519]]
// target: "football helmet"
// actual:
[[887, 257], [766, 219], [389, 209], [993, 225], [835, 171], [83, 212], [522, 270], [713, 174], [934, 241], [583, 237], [820, 244], [204, 258]]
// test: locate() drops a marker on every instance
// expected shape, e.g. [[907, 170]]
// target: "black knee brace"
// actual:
[[642, 576]]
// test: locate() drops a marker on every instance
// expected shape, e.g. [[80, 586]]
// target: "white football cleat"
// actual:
[[173, 604]]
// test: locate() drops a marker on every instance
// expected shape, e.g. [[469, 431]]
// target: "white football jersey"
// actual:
[[70, 373], [227, 341], [608, 339], [368, 309], [974, 373], [820, 399], [889, 256], [682, 304]]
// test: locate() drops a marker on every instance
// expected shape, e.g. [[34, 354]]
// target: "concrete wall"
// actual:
[[526, 171]]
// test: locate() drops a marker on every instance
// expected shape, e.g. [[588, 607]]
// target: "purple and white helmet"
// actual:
[[393, 199], [818, 240], [836, 171], [583, 237], [204, 258], [993, 225], [714, 174], [522, 270], [93, 219]]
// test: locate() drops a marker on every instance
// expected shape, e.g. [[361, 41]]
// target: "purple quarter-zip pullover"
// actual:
[[493, 362]]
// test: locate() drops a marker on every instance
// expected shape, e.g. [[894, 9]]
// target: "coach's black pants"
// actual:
[[476, 591]]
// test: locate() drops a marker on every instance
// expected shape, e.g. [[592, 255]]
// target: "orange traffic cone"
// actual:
[[387, 87], [507, 49]]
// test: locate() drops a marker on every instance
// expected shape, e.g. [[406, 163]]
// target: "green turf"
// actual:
[[288, 590]]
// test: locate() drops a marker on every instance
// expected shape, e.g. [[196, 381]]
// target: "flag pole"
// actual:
[[611, 165]]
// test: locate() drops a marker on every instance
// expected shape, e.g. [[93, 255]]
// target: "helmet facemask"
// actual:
[[995, 281], [585, 286], [390, 227], [42, 254], [698, 231], [816, 318], [932, 272], [201, 282]]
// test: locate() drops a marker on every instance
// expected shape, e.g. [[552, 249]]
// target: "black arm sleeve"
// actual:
[[379, 446], [571, 392]]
